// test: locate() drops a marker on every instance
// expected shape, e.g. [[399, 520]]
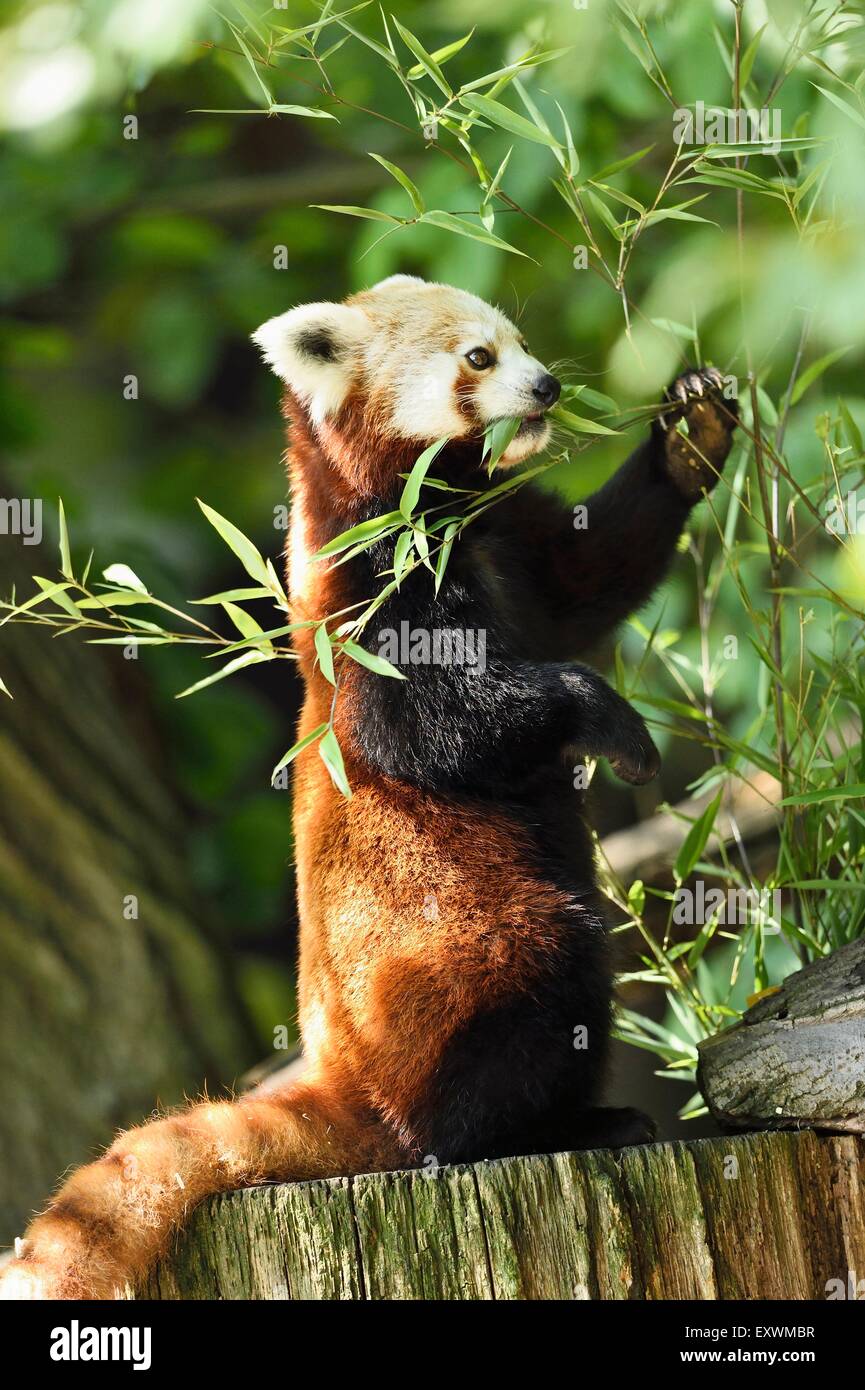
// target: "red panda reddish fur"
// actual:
[[451, 932]]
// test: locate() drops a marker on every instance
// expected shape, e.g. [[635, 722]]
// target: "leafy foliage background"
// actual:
[[155, 256]]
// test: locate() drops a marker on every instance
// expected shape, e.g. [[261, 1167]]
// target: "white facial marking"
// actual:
[[405, 345], [316, 350]]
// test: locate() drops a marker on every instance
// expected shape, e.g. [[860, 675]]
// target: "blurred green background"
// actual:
[[155, 256]]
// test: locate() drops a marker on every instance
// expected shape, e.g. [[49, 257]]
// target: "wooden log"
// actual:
[[798, 1056], [760, 1216]]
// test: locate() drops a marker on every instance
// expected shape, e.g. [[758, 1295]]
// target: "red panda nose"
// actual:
[[547, 390]]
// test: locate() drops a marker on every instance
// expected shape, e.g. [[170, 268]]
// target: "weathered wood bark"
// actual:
[[798, 1056], [105, 1006], [757, 1216]]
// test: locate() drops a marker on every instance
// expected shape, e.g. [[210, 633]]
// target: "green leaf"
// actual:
[[242, 546], [268, 95], [379, 664], [373, 214], [243, 621], [232, 596], [856, 789], [296, 748], [401, 553], [314, 29], [364, 534], [313, 112], [855, 116], [324, 651], [501, 75], [498, 438], [748, 57], [695, 840], [573, 162], [236, 664], [403, 180], [124, 578], [620, 164], [507, 119], [445, 552], [678, 330], [816, 369], [442, 55], [448, 222], [60, 596], [32, 602], [411, 492], [426, 60], [784, 146], [494, 184], [65, 556], [115, 598], [577, 423], [331, 755]]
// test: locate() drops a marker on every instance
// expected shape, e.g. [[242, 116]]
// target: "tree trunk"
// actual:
[[757, 1216], [798, 1056], [113, 995]]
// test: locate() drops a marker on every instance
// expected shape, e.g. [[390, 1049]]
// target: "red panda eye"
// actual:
[[479, 358]]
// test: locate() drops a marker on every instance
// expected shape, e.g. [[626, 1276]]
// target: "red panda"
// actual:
[[452, 936]]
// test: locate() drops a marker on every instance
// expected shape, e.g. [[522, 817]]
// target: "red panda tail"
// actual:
[[112, 1219]]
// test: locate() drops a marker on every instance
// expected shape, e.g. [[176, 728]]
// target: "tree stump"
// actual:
[[798, 1056], [762, 1216]]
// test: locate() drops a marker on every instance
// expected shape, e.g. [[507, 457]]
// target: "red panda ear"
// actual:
[[316, 349]]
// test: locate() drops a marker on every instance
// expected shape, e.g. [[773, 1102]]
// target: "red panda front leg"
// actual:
[[113, 1218]]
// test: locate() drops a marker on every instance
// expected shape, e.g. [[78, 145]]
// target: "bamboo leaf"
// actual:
[[248, 658], [279, 108], [324, 651], [426, 60], [508, 120], [442, 55], [448, 222], [378, 664], [331, 755], [854, 115], [816, 798], [242, 546], [65, 556], [232, 596], [124, 578], [296, 748], [411, 492], [816, 369], [373, 214], [363, 534], [403, 180], [577, 423], [695, 840], [445, 552], [499, 437]]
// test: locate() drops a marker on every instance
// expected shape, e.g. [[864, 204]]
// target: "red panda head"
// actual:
[[403, 364]]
